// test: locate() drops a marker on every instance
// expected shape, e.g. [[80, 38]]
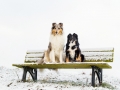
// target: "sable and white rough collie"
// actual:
[[57, 43], [54, 53]]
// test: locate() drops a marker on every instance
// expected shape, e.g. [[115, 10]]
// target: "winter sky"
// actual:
[[26, 24]]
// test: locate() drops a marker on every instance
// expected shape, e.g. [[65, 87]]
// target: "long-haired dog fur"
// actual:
[[73, 51], [54, 53]]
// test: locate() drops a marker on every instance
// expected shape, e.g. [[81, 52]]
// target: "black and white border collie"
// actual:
[[73, 51]]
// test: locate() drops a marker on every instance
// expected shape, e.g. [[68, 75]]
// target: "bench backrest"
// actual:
[[91, 55]]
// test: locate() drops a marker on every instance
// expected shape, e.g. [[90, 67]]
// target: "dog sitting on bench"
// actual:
[[73, 52], [54, 53]]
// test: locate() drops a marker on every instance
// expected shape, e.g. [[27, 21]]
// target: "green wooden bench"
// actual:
[[95, 59]]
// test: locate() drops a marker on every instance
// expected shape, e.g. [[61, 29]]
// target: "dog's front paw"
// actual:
[[62, 62], [78, 59], [67, 59], [54, 62]]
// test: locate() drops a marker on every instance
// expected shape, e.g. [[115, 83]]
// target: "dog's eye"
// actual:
[[73, 47], [53, 27]]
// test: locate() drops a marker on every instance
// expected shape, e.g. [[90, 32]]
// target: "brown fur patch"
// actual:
[[78, 59], [46, 57], [67, 59], [60, 31], [57, 59], [54, 31]]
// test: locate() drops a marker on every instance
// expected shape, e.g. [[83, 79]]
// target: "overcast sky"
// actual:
[[26, 24]]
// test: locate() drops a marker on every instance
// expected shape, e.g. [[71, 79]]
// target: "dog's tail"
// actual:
[[42, 61], [82, 57]]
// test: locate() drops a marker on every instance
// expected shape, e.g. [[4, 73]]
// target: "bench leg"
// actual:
[[24, 74], [32, 71], [98, 71]]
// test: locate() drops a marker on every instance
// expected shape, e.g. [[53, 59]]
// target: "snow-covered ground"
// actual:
[[69, 79]]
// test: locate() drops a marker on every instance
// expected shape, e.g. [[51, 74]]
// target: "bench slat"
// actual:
[[110, 49], [82, 65], [34, 51], [87, 54], [34, 55], [32, 59], [87, 59], [104, 59], [92, 54]]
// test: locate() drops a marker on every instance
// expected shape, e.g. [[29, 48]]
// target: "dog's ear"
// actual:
[[69, 35], [61, 25], [53, 25], [75, 35]]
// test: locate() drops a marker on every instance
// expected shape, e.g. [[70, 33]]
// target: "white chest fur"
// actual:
[[72, 51], [57, 43]]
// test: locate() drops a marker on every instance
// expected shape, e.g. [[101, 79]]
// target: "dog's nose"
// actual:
[[56, 32]]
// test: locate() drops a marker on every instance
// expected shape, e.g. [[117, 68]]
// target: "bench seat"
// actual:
[[76, 65]]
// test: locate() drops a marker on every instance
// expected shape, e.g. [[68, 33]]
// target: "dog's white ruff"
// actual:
[[57, 43]]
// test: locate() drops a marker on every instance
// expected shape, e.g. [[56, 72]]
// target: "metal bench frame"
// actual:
[[96, 68], [33, 73]]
